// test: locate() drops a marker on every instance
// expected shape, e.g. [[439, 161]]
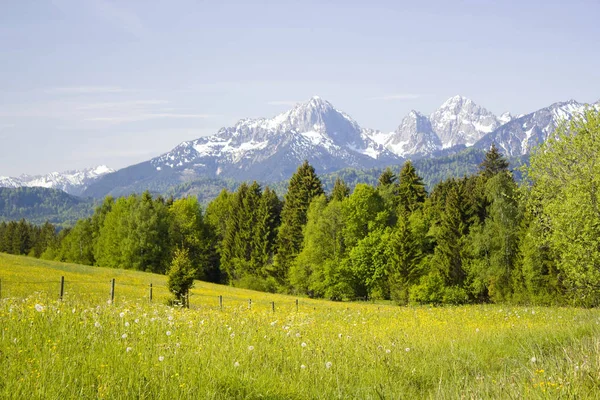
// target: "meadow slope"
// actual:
[[85, 347]]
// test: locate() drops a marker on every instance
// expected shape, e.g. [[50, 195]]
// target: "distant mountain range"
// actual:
[[270, 150], [73, 182]]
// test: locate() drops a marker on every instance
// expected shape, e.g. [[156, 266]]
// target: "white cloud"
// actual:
[[399, 96], [147, 116], [121, 104], [87, 90]]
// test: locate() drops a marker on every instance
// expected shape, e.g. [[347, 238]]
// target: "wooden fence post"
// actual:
[[273, 305], [0, 288], [150, 294], [296, 305], [62, 287], [112, 291], [249, 304], [221, 302]]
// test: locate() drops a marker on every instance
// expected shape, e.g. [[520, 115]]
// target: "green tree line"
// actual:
[[479, 238]]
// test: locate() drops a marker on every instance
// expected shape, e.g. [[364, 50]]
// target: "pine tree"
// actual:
[[493, 163], [340, 190], [387, 178], [303, 187], [411, 189]]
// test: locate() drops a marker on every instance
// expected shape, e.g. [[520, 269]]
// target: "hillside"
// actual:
[[39, 205]]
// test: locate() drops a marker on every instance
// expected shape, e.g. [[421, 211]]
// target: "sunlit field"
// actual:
[[86, 347]]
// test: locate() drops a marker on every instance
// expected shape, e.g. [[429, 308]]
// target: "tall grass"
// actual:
[[84, 347]]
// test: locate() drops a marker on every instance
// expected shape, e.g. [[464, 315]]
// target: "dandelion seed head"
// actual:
[[388, 351], [303, 366], [303, 344], [236, 364], [168, 333], [137, 321], [39, 308], [328, 364], [407, 349], [127, 350], [161, 358], [298, 334], [250, 348], [124, 336], [533, 359], [122, 314], [97, 324], [126, 324], [232, 335]]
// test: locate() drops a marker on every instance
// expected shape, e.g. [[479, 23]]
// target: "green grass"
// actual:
[[84, 347]]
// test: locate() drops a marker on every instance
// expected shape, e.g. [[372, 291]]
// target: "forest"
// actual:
[[476, 239]]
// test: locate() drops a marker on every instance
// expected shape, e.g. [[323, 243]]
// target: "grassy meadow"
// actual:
[[86, 347]]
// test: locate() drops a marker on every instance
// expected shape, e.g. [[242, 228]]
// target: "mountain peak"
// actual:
[[456, 101]]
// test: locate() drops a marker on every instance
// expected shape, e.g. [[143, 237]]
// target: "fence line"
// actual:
[[63, 284]]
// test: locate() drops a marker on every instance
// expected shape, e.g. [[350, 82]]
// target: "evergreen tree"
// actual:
[[387, 178], [493, 163], [303, 187], [340, 190], [411, 190], [268, 216]]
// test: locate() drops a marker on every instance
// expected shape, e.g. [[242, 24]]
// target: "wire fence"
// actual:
[[113, 291]]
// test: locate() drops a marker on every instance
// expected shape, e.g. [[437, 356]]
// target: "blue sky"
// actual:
[[88, 82]]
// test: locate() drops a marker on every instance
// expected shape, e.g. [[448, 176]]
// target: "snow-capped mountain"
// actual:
[[414, 136], [315, 130], [521, 135], [270, 149], [72, 182], [459, 121]]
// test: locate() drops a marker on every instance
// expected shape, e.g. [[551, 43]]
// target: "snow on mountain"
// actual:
[[505, 118], [73, 182], [414, 136], [314, 130], [522, 134], [460, 121]]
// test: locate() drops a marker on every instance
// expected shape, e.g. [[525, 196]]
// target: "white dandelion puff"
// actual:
[[124, 336], [298, 334], [137, 321], [328, 364], [250, 348], [161, 358], [97, 324], [236, 364], [127, 350], [126, 324], [407, 349], [303, 344], [533, 359], [39, 308], [168, 333], [303, 366], [122, 314], [388, 351]]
